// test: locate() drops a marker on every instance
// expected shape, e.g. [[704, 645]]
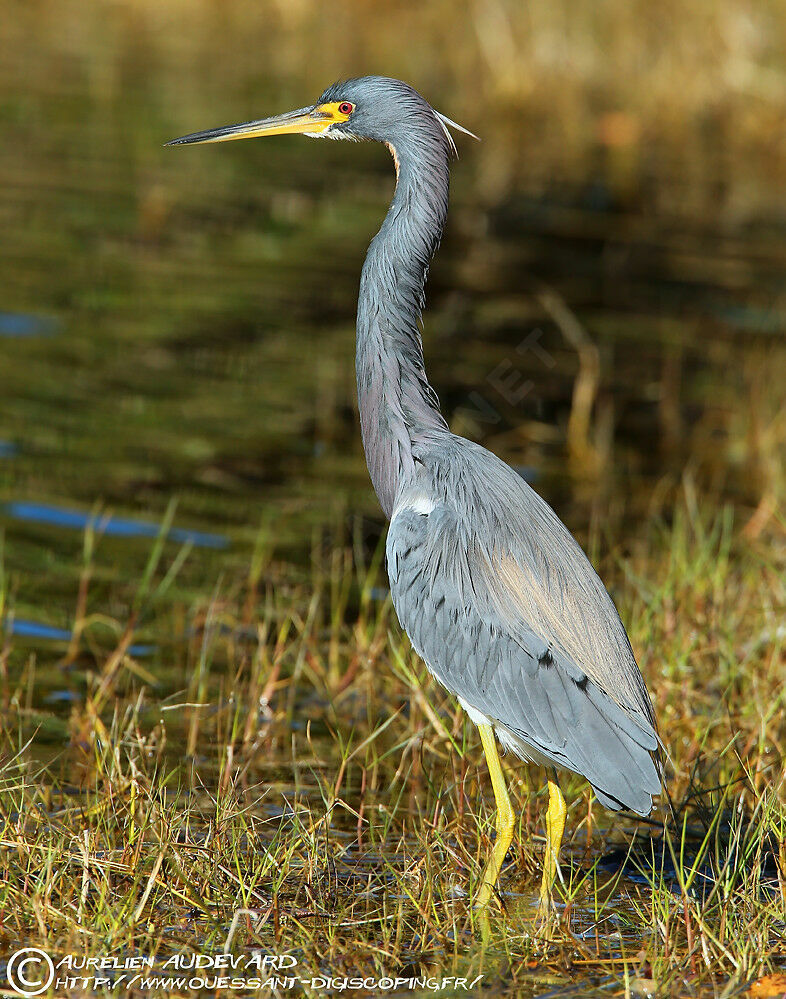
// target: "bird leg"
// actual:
[[555, 827], [506, 820]]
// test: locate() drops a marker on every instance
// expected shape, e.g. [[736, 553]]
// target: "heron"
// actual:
[[495, 594]]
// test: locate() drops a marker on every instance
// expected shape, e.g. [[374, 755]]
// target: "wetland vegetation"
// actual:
[[213, 735]]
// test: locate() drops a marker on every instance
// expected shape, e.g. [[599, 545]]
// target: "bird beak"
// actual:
[[306, 121]]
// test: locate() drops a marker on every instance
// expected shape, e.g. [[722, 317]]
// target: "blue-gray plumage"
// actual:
[[493, 591]]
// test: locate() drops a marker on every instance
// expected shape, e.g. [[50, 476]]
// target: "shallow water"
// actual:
[[210, 369], [178, 324]]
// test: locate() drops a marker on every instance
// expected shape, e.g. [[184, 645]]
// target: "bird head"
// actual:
[[370, 107]]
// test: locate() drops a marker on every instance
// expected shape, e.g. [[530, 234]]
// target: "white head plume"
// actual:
[[447, 124]]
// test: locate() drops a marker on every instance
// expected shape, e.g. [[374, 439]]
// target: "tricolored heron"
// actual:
[[494, 592]]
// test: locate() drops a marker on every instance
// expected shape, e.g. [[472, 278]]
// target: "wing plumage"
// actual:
[[507, 612]]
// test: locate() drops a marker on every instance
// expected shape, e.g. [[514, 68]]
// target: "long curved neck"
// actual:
[[396, 402]]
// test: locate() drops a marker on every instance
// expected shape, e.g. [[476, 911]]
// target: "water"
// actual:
[[36, 630], [178, 324], [203, 361], [121, 527], [13, 324]]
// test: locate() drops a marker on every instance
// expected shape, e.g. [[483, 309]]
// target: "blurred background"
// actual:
[[177, 325]]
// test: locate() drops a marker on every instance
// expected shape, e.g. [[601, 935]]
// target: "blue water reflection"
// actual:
[[20, 324], [25, 628], [122, 527], [8, 449]]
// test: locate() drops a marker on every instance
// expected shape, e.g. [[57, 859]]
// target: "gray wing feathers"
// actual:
[[462, 578]]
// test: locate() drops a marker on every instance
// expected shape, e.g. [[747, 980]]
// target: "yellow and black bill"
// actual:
[[312, 121]]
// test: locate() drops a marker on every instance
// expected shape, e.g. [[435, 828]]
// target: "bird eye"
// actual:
[[346, 108]]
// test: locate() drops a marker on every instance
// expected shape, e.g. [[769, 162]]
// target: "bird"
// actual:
[[495, 594]]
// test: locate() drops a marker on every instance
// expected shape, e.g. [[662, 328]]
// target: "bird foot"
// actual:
[[547, 918]]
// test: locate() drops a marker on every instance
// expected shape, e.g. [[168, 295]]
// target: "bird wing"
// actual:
[[507, 612]]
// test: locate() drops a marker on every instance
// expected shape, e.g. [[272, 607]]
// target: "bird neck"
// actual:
[[396, 402]]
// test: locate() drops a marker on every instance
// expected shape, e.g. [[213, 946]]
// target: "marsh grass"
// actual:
[[311, 791], [280, 772]]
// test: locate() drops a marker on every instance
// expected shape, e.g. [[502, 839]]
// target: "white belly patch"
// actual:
[[416, 502], [474, 715]]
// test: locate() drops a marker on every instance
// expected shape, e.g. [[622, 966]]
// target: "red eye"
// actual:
[[346, 108]]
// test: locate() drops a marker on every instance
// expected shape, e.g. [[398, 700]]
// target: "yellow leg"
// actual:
[[506, 820], [555, 827]]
